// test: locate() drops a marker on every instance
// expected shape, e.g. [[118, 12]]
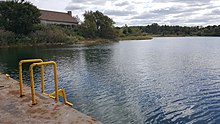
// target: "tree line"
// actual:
[[166, 30]]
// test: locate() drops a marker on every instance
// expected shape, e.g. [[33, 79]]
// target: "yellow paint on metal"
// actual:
[[61, 92], [20, 72], [42, 79], [7, 76], [32, 79], [57, 92]]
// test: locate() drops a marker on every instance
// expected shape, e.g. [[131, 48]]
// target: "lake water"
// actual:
[[164, 80]]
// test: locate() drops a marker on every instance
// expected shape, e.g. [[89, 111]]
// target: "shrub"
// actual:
[[54, 34], [43, 34], [49, 35], [74, 39], [7, 37]]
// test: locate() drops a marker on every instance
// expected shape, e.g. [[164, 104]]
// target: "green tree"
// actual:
[[96, 24], [18, 16], [88, 28], [126, 30], [135, 31]]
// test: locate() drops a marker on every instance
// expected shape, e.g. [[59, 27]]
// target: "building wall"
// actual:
[[58, 23]]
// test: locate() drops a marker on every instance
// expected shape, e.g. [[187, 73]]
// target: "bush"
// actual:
[[44, 34], [23, 40], [52, 34], [7, 37], [74, 39], [49, 36]]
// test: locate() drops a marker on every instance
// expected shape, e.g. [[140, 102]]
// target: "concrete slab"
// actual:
[[19, 110]]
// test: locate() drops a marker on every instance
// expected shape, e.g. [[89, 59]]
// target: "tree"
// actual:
[[88, 28], [96, 24], [126, 30], [18, 16], [135, 31]]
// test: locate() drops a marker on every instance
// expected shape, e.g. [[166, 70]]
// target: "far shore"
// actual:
[[90, 41], [135, 38], [86, 42], [32, 45]]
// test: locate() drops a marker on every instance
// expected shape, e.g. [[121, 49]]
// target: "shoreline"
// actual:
[[33, 45], [83, 42], [93, 41], [135, 38]]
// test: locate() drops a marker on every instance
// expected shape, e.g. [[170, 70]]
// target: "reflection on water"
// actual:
[[164, 80]]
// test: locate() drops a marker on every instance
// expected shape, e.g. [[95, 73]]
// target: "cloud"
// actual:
[[193, 2], [215, 12], [145, 15], [142, 12], [125, 3], [119, 12], [89, 2], [166, 11], [75, 7]]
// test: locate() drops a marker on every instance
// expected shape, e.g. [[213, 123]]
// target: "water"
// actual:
[[164, 80]]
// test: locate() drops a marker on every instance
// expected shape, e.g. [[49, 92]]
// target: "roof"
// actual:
[[57, 16]]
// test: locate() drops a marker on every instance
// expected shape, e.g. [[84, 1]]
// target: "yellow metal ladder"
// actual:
[[40, 63]]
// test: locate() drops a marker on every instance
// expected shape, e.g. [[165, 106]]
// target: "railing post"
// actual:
[[41, 64], [42, 78], [20, 79], [64, 95], [32, 84], [20, 72], [56, 81]]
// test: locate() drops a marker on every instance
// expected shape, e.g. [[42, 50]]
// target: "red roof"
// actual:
[[57, 16]]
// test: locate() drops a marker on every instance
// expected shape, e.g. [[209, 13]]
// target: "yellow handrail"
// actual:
[[32, 79], [20, 72], [40, 63], [62, 93]]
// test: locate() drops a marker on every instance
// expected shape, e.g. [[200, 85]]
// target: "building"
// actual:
[[60, 18]]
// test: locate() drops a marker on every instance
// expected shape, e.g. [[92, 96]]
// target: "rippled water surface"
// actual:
[[164, 80]]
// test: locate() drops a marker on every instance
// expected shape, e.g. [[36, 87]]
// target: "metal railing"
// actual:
[[40, 63], [20, 72]]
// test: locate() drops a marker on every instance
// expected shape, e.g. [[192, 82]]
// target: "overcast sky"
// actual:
[[143, 12]]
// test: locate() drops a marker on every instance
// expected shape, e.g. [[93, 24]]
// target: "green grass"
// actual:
[[135, 38]]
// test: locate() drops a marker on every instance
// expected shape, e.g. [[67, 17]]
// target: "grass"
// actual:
[[135, 38], [95, 41]]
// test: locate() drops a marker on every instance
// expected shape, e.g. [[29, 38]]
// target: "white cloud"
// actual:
[[142, 12]]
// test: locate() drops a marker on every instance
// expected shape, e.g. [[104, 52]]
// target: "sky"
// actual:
[[142, 12]]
